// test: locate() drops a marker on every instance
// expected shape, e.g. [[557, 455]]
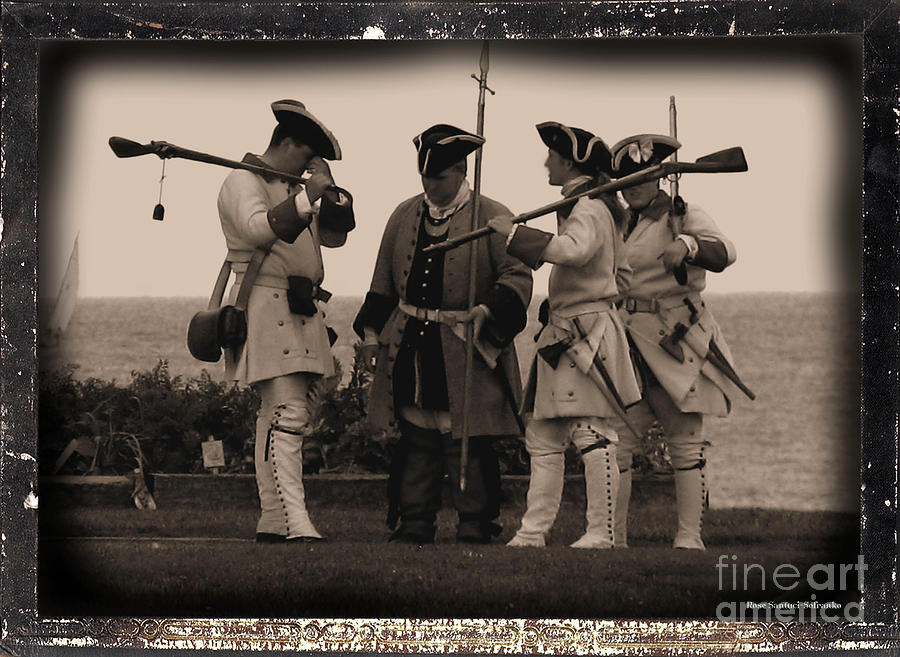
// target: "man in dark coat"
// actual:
[[413, 324]]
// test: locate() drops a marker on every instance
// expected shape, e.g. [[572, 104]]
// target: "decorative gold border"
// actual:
[[498, 636], [876, 20]]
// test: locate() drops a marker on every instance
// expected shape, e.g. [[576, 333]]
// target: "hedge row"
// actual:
[[158, 421]]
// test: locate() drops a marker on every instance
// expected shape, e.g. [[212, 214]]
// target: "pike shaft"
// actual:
[[473, 270]]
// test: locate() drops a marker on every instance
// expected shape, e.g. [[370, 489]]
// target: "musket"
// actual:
[[730, 160], [678, 209], [484, 65], [164, 150]]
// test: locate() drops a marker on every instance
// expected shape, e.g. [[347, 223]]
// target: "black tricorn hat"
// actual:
[[442, 146], [638, 152], [294, 116], [580, 146]]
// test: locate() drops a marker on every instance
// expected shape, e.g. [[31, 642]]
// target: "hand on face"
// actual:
[[320, 178], [502, 224], [673, 255]]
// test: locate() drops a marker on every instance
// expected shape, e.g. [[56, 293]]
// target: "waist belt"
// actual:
[[281, 283], [449, 317], [634, 305]]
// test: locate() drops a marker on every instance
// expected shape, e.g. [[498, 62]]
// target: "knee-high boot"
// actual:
[[691, 501], [286, 458], [601, 480], [544, 495], [623, 497]]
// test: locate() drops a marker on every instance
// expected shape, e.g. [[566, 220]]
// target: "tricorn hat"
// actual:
[[442, 146], [580, 146], [638, 152], [294, 116]]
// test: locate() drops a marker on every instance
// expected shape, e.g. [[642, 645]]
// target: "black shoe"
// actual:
[[263, 537], [306, 539], [479, 533], [405, 535]]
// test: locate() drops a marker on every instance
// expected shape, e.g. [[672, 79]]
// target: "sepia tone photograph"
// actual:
[[758, 465], [470, 329]]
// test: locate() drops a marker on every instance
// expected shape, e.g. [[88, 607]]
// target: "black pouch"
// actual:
[[212, 330], [300, 296]]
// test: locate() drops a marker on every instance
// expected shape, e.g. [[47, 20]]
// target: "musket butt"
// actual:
[[126, 148]]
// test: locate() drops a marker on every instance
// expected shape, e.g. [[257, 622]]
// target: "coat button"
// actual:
[[662, 332], [280, 322], [572, 363], [275, 295], [571, 393], [286, 351]]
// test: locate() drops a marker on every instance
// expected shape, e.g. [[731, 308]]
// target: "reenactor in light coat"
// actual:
[[569, 402], [287, 349], [678, 348]]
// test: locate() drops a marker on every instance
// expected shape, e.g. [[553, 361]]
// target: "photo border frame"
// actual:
[[25, 25]]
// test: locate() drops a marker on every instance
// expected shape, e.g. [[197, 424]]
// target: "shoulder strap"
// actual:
[[215, 300], [249, 277]]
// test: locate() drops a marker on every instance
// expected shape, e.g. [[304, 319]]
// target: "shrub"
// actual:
[[158, 422]]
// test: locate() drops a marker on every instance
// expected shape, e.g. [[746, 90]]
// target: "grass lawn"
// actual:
[[202, 562]]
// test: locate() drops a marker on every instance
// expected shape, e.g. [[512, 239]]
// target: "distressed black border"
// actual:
[[24, 25]]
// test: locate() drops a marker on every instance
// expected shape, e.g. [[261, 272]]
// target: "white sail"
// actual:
[[68, 294]]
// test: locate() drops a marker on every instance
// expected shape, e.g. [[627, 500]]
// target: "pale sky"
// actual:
[[376, 96]]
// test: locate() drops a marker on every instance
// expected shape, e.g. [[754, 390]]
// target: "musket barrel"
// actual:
[[730, 160], [127, 148]]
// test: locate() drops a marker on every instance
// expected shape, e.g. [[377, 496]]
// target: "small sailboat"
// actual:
[[61, 313]]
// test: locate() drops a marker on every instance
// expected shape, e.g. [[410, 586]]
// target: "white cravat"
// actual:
[[441, 212]]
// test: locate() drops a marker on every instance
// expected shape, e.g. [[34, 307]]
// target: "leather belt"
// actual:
[[449, 317], [635, 305], [280, 283]]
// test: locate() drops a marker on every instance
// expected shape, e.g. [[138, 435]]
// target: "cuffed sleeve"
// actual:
[[336, 210], [715, 251], [290, 217], [374, 313], [528, 244], [711, 255], [508, 316]]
